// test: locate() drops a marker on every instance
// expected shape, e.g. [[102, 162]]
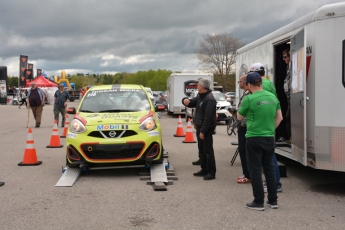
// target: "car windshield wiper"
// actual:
[[116, 110], [87, 111]]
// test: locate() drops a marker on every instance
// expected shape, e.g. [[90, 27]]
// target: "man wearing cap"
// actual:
[[266, 83], [268, 86], [61, 98], [263, 114], [35, 100], [205, 123]]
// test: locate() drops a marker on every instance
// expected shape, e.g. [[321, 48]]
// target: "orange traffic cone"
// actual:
[[179, 129], [30, 157], [189, 134], [65, 129], [55, 138]]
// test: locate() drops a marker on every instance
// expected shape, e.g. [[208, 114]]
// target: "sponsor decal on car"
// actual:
[[120, 116], [111, 127], [153, 133], [71, 135]]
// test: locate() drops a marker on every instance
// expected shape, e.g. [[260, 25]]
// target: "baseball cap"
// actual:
[[253, 78], [257, 67]]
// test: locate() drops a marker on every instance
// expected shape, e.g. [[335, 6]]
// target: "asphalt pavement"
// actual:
[[118, 199]]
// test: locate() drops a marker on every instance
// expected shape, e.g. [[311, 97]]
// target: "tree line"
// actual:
[[216, 54], [155, 79]]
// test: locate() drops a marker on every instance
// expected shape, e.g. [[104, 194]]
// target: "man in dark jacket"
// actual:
[[205, 122]]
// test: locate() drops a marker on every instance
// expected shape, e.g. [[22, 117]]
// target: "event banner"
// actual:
[[29, 74], [3, 85], [31, 66], [39, 72], [23, 63]]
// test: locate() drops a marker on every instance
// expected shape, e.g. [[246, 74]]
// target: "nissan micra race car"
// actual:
[[114, 125]]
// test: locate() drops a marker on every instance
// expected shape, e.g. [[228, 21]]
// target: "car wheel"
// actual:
[[229, 126]]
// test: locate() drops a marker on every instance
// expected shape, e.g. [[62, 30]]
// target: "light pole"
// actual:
[[87, 78]]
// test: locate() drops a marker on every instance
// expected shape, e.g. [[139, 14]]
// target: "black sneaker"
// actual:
[[1, 184], [196, 162], [200, 173], [209, 177], [255, 206], [272, 204]]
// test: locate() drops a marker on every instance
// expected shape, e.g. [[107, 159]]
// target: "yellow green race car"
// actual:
[[114, 125]]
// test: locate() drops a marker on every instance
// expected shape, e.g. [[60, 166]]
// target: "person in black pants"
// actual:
[[23, 96], [263, 114], [205, 123], [241, 132]]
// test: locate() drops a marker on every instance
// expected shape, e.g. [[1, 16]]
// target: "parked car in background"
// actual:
[[160, 98], [222, 107], [231, 97], [149, 90]]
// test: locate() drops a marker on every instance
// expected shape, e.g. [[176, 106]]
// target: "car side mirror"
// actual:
[[71, 110], [228, 99]]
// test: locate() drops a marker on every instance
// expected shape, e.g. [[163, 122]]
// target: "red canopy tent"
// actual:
[[42, 82]]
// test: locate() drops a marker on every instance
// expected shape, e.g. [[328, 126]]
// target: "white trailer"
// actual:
[[180, 85], [317, 50]]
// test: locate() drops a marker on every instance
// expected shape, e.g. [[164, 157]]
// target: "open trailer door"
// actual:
[[298, 96]]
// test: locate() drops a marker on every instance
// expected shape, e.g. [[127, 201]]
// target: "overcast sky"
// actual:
[[109, 36]]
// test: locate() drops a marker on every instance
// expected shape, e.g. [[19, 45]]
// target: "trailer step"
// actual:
[[69, 177]]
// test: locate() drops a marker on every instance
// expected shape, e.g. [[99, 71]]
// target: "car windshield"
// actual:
[[115, 100], [219, 96]]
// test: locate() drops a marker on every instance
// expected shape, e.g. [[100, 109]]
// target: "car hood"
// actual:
[[113, 118], [223, 103]]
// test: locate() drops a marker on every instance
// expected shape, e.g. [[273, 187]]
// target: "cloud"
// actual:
[[126, 36]]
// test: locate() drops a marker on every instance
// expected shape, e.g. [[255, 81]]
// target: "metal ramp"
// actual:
[[160, 176], [69, 176]]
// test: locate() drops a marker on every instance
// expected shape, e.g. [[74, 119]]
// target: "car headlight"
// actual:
[[77, 126], [148, 124]]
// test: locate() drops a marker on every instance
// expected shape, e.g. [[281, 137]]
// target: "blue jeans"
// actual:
[[260, 152], [207, 159]]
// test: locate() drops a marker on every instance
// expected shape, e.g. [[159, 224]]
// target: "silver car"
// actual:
[[222, 107]]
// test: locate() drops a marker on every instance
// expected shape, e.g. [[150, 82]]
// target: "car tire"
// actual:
[[71, 165]]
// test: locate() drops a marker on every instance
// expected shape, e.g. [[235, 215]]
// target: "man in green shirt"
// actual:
[[268, 86], [263, 114]]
